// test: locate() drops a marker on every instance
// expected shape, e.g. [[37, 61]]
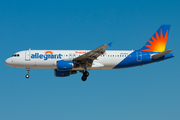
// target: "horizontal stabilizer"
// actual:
[[160, 54]]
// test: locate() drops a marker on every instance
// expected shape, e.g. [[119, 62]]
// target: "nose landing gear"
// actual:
[[27, 75], [85, 75]]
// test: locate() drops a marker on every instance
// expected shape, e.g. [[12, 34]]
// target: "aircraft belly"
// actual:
[[103, 63], [39, 64], [110, 63]]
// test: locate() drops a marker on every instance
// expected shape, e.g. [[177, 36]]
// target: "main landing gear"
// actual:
[[85, 75], [27, 75]]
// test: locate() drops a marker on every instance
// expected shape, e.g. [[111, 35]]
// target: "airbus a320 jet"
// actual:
[[68, 62]]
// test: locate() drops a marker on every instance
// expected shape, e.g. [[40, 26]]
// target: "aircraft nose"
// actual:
[[7, 61]]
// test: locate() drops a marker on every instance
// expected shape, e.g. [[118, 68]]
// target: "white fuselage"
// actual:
[[68, 62], [41, 59]]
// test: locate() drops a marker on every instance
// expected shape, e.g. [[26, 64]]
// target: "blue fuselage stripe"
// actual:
[[137, 58]]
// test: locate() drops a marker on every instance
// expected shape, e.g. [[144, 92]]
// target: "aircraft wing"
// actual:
[[160, 54], [87, 58]]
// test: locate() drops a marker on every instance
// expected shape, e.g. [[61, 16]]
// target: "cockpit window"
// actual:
[[15, 55]]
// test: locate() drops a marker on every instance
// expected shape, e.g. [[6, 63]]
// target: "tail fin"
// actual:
[[157, 43]]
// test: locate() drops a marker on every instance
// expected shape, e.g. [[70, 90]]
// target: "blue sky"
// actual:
[[139, 93]]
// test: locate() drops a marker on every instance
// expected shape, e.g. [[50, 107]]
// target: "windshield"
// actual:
[[15, 55]]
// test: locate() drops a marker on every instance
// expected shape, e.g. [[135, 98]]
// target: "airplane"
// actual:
[[68, 62]]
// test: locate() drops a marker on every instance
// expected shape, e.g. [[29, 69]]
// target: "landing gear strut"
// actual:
[[27, 75], [85, 75]]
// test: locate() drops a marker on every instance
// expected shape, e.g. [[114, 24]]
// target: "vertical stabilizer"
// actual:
[[157, 43]]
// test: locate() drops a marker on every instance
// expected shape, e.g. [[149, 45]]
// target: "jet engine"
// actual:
[[64, 68], [64, 65]]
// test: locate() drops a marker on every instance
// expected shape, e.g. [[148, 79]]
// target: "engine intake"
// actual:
[[64, 65]]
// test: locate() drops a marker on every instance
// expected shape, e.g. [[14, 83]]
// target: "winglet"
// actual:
[[110, 44]]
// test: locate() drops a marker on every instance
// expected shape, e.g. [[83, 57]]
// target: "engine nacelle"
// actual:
[[64, 65], [64, 73], [58, 73]]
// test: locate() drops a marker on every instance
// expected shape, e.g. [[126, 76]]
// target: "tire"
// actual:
[[27, 76], [84, 78], [86, 73]]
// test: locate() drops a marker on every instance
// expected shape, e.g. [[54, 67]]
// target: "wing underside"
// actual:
[[87, 59]]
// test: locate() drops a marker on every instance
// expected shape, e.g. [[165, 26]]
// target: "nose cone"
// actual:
[[8, 62]]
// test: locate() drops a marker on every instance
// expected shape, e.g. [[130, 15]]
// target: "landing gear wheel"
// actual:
[[27, 76], [86, 73], [84, 78]]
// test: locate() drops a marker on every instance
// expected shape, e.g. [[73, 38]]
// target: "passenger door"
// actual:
[[139, 56], [28, 55]]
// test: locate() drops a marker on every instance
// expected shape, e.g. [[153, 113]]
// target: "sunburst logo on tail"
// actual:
[[158, 44]]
